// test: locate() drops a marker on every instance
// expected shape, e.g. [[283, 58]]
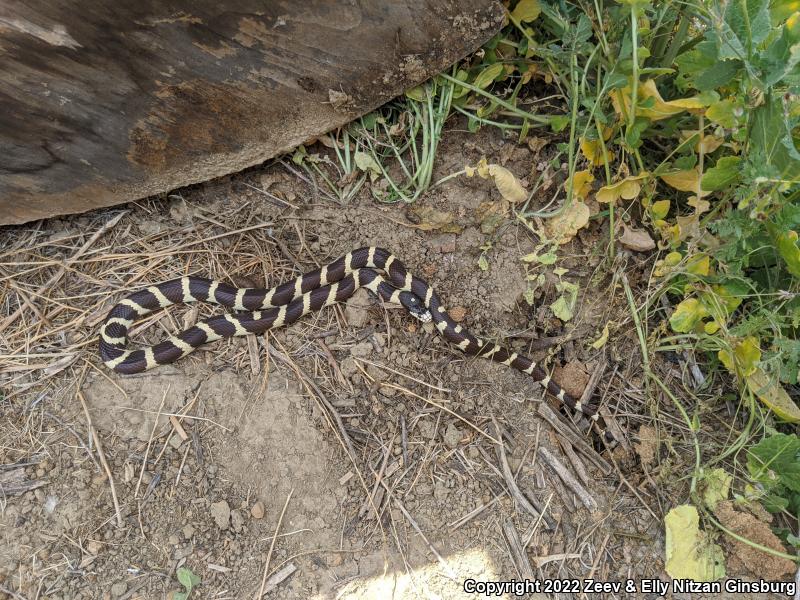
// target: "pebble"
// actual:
[[118, 589], [237, 520], [221, 513], [257, 512], [188, 531], [93, 547], [452, 436]]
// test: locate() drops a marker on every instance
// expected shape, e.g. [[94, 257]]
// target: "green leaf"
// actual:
[[559, 122], [561, 309], [488, 75], [526, 11], [774, 503], [700, 69], [187, 579], [722, 175], [564, 307], [780, 58], [746, 24], [722, 113], [771, 135], [483, 263], [780, 454], [786, 243], [416, 93]]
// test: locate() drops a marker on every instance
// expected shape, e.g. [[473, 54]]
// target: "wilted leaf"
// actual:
[[537, 143], [601, 341], [581, 184], [687, 315], [548, 258], [367, 163], [507, 184], [689, 553], [684, 181], [651, 105], [707, 143], [628, 189], [526, 10], [771, 393], [636, 239], [563, 227], [483, 263], [717, 485], [700, 206], [428, 218], [745, 356], [593, 151], [491, 215], [688, 226], [504, 180]]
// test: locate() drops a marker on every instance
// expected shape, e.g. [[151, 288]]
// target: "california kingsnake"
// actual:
[[263, 309]]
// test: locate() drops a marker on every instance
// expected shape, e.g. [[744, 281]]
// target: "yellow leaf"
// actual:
[[717, 484], [660, 109], [687, 314], [693, 103], [774, 396], [660, 209], [483, 168], [601, 341], [526, 10], [628, 189], [581, 184], [563, 227], [699, 265], [689, 552], [746, 355], [706, 143], [711, 327], [700, 206], [593, 151], [684, 181], [673, 259], [507, 184]]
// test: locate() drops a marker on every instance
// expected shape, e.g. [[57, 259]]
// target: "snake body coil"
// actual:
[[262, 309]]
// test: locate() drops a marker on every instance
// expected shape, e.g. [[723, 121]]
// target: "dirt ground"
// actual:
[[427, 500]]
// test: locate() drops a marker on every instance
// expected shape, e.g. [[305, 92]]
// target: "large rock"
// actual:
[[103, 102]]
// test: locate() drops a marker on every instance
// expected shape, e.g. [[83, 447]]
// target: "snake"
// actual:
[[257, 310]]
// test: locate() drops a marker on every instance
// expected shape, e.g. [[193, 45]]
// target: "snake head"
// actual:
[[415, 306]]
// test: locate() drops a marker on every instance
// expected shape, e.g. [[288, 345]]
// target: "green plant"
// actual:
[[684, 117], [188, 580], [401, 139]]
